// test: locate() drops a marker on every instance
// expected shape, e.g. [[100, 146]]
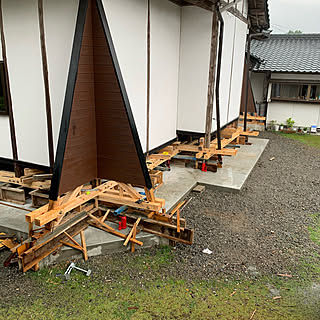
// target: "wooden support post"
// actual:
[[8, 96], [134, 233], [150, 194], [211, 80], [148, 79], [84, 246], [178, 220], [30, 229], [46, 82]]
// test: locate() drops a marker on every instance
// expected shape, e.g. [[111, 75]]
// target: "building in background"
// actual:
[[286, 78]]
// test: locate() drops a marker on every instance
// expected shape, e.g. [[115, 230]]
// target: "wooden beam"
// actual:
[[103, 226], [145, 205], [204, 4], [148, 79], [46, 82], [211, 80], [42, 216]]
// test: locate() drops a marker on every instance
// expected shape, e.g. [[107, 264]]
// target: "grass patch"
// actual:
[[310, 140], [165, 297], [82, 298], [314, 231]]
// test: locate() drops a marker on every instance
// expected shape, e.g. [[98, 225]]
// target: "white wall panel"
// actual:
[[237, 70], [196, 25], [165, 50], [128, 24], [226, 66], [60, 20], [5, 138], [257, 81], [26, 80], [304, 114]]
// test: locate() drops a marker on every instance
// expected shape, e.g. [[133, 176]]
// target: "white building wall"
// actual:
[[164, 57], [128, 25], [226, 65], [21, 29], [194, 69], [304, 114], [196, 25], [59, 20], [237, 70], [257, 80], [5, 137]]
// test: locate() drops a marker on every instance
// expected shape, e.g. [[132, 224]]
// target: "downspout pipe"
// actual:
[[249, 37], [221, 31]]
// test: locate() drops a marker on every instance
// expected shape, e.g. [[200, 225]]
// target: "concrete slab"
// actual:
[[235, 170]]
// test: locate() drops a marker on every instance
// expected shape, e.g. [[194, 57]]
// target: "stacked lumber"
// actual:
[[16, 190], [252, 119], [196, 150]]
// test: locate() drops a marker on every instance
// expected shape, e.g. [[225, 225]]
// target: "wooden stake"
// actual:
[[84, 246], [131, 232]]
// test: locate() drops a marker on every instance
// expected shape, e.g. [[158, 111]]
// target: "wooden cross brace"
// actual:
[[74, 244]]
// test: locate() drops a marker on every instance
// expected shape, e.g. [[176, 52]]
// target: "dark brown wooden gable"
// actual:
[[98, 137]]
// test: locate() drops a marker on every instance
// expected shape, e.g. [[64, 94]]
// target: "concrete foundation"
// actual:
[[235, 170], [177, 184]]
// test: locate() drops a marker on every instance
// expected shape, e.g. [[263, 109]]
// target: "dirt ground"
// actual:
[[259, 232]]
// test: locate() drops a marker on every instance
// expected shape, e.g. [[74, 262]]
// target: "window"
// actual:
[[3, 96], [296, 92]]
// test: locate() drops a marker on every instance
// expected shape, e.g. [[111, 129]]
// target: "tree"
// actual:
[[295, 32]]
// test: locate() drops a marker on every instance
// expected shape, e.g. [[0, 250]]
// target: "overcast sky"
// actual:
[[301, 15]]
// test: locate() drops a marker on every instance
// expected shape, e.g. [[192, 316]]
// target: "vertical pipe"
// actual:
[[9, 99], [247, 82], [148, 80], [46, 82], [218, 77]]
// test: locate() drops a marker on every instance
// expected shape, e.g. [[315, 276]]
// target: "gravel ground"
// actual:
[[261, 230]]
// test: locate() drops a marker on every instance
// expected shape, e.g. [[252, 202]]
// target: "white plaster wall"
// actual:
[[5, 138], [25, 71], [164, 76], [128, 24], [196, 25], [226, 65], [257, 80], [304, 114], [60, 20], [237, 70]]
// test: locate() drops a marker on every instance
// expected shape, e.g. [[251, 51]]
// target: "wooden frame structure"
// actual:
[[197, 147], [50, 229]]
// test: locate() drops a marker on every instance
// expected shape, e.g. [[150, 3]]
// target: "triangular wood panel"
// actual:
[[98, 137], [251, 104]]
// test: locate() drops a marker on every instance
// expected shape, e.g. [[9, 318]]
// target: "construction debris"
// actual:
[[72, 266], [199, 188]]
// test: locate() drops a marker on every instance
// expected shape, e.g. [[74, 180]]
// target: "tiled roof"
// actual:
[[288, 53]]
